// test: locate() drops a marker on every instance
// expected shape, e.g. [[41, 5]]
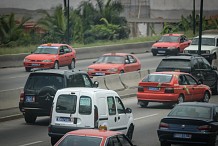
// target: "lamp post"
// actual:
[[200, 28], [193, 15], [68, 21]]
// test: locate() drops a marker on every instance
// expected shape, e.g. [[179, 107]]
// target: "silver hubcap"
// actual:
[[180, 100], [56, 65], [206, 97], [72, 64]]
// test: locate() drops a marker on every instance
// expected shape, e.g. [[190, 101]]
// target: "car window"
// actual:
[[162, 78], [46, 50], [111, 105], [66, 104], [169, 39], [87, 81], [66, 49], [75, 140], [195, 64], [111, 59], [120, 106], [182, 80], [204, 41], [206, 64], [191, 80], [76, 80], [131, 59], [85, 105], [123, 140], [174, 63], [113, 141], [38, 81], [202, 64]]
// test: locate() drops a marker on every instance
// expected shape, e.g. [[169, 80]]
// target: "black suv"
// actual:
[[41, 86], [196, 65]]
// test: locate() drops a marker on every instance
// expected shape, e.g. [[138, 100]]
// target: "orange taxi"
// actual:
[[51, 56], [94, 137], [170, 44], [114, 63], [171, 87]]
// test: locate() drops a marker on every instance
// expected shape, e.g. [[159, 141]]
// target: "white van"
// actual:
[[79, 108]]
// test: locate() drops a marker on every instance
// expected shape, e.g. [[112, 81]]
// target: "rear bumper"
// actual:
[[196, 138], [34, 110], [157, 97]]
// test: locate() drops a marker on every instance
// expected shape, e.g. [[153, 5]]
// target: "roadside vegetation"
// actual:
[[88, 25]]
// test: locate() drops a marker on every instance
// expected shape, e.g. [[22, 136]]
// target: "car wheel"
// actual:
[[29, 118], [143, 103], [28, 69], [130, 132], [180, 99], [206, 97], [154, 54], [72, 65], [163, 143], [47, 91], [54, 140], [122, 71], [56, 65]]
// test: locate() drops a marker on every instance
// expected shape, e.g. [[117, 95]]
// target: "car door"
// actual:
[[187, 89], [68, 55], [133, 65], [62, 59], [184, 42]]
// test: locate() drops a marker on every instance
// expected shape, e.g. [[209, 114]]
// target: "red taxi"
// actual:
[[170, 44], [51, 56], [171, 87], [94, 137], [114, 63]]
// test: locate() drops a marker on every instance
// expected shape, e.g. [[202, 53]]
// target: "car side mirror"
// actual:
[[200, 82], [96, 84], [127, 61], [128, 110]]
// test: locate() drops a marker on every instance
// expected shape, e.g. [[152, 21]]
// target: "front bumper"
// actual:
[[38, 64], [164, 51]]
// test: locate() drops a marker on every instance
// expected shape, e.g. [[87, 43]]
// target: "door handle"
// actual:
[[115, 119], [118, 118]]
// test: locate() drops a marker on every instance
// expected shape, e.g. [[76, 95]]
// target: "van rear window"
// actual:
[[85, 105], [66, 104]]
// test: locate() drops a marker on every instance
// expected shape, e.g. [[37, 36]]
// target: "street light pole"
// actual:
[[193, 15], [68, 21], [200, 28]]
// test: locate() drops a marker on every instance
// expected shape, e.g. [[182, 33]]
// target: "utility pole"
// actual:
[[193, 15], [68, 21], [200, 28]]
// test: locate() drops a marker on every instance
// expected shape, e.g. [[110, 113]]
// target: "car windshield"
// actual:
[[162, 78], [191, 111], [38, 81], [46, 50], [74, 140], [175, 63], [204, 41], [169, 39], [111, 59]]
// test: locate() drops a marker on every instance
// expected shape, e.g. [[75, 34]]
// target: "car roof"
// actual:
[[116, 54], [85, 89], [170, 72], [53, 44], [173, 34], [94, 132], [199, 104], [208, 36]]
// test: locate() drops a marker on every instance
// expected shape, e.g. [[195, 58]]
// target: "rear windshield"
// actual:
[[175, 63], [162, 78], [66, 104], [191, 111], [38, 81], [74, 140]]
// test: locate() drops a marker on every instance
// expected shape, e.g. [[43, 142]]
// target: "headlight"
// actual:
[[171, 47], [185, 51], [26, 60], [113, 70], [153, 47], [91, 69], [207, 51], [46, 60]]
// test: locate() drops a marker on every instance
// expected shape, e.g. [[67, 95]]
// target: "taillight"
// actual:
[[205, 128], [169, 90], [140, 89], [22, 96], [95, 116], [163, 125]]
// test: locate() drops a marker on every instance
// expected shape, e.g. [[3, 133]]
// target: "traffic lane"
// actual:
[[13, 78]]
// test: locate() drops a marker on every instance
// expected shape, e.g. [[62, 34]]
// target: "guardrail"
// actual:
[[116, 82]]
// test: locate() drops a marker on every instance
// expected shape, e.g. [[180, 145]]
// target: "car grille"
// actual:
[[195, 52]]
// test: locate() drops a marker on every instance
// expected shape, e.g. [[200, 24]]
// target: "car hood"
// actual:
[[165, 44], [104, 66], [203, 47], [41, 56]]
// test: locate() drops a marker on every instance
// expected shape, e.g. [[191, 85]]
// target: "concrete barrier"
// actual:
[[101, 81], [130, 79], [10, 98], [143, 73], [113, 82]]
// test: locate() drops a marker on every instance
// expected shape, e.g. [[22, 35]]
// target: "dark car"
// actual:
[[41, 86], [190, 123], [196, 65]]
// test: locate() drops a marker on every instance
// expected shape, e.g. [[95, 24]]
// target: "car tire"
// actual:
[[154, 54], [143, 104], [29, 118], [122, 71], [28, 69], [206, 97], [180, 99], [56, 65], [47, 90], [163, 143], [130, 132], [54, 140], [72, 65]]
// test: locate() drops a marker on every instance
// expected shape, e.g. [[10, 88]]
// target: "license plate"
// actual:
[[30, 99], [35, 64], [161, 51], [64, 119], [153, 88], [182, 135], [99, 74]]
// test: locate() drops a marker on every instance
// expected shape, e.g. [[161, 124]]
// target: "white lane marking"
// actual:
[[10, 116], [31, 143], [11, 89], [145, 117]]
